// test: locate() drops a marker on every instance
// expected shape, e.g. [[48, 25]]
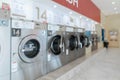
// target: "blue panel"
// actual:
[[103, 34], [4, 22], [88, 33]]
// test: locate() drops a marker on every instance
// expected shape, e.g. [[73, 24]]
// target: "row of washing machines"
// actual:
[[29, 50], [47, 47]]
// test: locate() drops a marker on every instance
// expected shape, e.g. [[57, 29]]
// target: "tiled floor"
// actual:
[[103, 65]]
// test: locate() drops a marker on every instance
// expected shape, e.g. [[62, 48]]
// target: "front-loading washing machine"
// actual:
[[79, 50], [88, 38], [56, 55], [87, 41], [83, 42], [28, 49], [94, 40], [71, 43], [4, 44]]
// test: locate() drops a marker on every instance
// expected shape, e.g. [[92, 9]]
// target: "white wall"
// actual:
[[4, 1], [55, 15], [112, 22]]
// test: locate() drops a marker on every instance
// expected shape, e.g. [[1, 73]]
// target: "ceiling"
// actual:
[[108, 7], [55, 6]]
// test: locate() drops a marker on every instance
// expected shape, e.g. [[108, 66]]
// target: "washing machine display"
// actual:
[[56, 55], [29, 54]]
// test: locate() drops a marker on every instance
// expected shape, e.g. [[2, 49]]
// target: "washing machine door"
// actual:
[[29, 48], [55, 44], [82, 40], [87, 41], [79, 45], [73, 42]]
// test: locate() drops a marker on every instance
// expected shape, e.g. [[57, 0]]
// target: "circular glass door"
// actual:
[[82, 40], [55, 45], [72, 42], [87, 42], [29, 48]]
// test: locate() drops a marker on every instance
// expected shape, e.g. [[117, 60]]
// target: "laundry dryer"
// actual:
[[71, 43], [4, 45], [56, 55], [28, 49]]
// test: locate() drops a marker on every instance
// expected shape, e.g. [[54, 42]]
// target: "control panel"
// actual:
[[4, 17], [80, 30], [53, 27], [70, 29]]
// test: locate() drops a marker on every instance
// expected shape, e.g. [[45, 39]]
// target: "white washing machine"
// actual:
[[56, 55], [4, 45], [28, 49]]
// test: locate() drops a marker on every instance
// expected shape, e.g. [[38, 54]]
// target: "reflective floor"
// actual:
[[100, 65], [103, 66]]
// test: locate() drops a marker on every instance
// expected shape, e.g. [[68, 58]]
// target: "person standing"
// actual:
[[106, 44]]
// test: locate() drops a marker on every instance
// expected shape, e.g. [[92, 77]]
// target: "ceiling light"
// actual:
[[87, 19], [54, 6], [80, 17], [92, 21], [96, 23], [113, 2], [70, 12], [115, 8], [116, 12]]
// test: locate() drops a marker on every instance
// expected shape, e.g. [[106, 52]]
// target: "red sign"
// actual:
[[84, 7], [5, 6]]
